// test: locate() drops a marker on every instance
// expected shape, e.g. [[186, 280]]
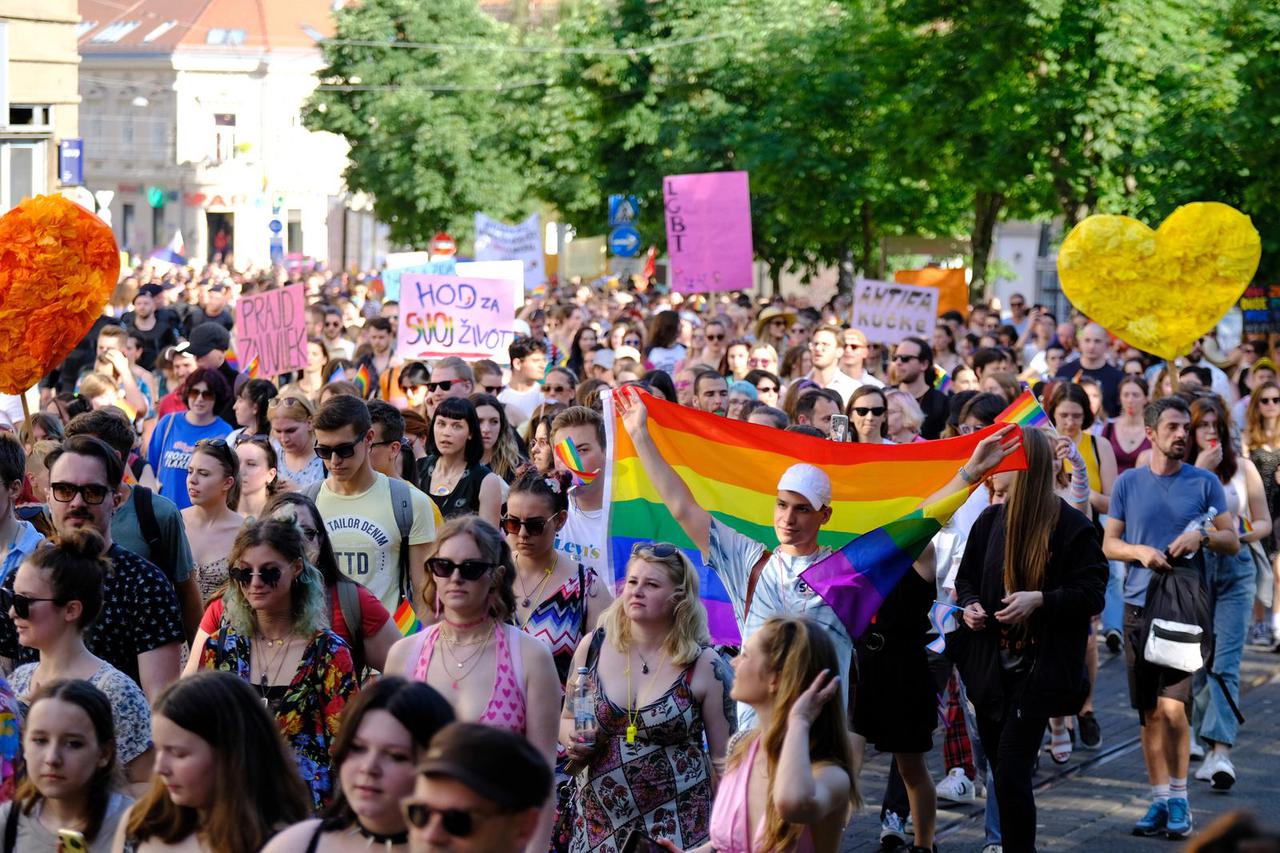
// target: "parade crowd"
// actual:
[[368, 605]]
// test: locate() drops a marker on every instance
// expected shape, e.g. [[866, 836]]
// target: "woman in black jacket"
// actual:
[[1032, 577]]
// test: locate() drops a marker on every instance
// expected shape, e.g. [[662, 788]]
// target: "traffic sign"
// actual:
[[155, 196], [623, 210], [624, 241], [443, 244], [277, 250], [276, 226], [71, 162]]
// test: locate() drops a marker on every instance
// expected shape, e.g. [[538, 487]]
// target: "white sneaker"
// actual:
[[1224, 773], [1197, 749], [1204, 773], [993, 848], [956, 787]]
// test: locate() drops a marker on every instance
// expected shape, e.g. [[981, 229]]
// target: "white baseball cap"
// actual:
[[808, 481]]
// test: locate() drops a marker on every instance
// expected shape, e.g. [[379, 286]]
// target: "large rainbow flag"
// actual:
[[732, 468]]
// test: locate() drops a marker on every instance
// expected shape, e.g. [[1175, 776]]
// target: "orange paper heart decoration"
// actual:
[[58, 266], [1160, 290]]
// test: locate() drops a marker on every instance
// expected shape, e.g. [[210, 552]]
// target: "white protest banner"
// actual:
[[455, 315], [272, 327], [512, 271], [498, 241], [886, 312]]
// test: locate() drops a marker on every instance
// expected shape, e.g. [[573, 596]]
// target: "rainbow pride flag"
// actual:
[[406, 620], [363, 380], [253, 370], [942, 381], [233, 361], [567, 452], [1024, 411], [732, 468]]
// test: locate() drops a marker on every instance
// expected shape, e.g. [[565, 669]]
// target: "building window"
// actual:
[[115, 32], [224, 136], [22, 171], [293, 234], [127, 220]]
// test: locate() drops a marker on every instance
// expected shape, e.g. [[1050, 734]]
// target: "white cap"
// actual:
[[808, 481], [604, 358], [625, 351], [520, 327]]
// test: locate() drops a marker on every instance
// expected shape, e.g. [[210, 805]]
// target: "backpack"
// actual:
[[150, 527]]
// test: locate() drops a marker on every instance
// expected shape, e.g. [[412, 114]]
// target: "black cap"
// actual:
[[499, 765], [152, 290], [206, 338], [217, 288]]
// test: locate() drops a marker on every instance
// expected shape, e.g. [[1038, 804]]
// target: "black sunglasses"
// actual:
[[245, 438], [343, 451], [269, 575], [512, 524], [495, 390], [211, 442], [766, 389], [863, 411], [459, 823], [903, 359], [20, 603], [443, 385], [93, 493], [443, 567]]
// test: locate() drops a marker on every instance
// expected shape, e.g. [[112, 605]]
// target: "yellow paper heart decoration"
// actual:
[[1160, 290]]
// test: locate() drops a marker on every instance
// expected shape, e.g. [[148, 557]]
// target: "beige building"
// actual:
[[39, 100]]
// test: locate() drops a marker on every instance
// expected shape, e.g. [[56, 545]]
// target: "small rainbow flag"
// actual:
[[232, 360], [406, 620], [942, 382], [567, 453], [252, 369], [363, 380], [1024, 411]]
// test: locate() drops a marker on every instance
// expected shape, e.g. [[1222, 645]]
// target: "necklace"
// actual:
[[458, 677], [388, 841], [264, 685], [529, 597], [448, 482], [633, 709], [462, 626]]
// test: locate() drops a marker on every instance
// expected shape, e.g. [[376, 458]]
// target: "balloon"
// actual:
[[58, 266], [1160, 290]]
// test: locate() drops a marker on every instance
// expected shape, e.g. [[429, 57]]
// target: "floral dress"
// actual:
[[661, 784], [308, 710], [10, 741]]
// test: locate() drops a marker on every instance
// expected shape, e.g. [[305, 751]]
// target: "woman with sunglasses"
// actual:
[[557, 600], [355, 614], [501, 452], [169, 450], [213, 484], [452, 473], [904, 417], [867, 412], [224, 781], [659, 691], [490, 671], [274, 635], [768, 386], [57, 593], [259, 479], [250, 407], [413, 380], [69, 746], [290, 415], [762, 357], [560, 385], [385, 733], [1260, 438]]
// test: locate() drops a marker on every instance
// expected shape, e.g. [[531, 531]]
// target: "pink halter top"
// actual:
[[506, 708], [730, 832]]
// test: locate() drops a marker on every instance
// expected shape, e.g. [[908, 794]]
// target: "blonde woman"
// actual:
[[905, 417], [659, 690], [290, 415]]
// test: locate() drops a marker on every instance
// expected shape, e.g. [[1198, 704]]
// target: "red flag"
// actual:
[[650, 263]]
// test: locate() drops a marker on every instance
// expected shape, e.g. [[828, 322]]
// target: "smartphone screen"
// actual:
[[839, 428]]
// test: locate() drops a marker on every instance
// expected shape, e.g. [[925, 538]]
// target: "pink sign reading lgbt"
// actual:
[[708, 231]]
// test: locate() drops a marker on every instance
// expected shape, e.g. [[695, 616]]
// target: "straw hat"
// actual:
[[767, 315]]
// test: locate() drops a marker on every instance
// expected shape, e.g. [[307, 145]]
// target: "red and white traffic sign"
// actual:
[[443, 244]]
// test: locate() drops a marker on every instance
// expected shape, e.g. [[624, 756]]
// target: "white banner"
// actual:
[[886, 312], [498, 241]]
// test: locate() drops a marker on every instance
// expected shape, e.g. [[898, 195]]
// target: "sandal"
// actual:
[[1059, 744]]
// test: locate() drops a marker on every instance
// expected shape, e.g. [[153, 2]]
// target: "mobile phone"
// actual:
[[839, 427], [638, 842], [72, 841]]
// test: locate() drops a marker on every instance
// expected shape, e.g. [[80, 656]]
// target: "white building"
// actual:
[[190, 112]]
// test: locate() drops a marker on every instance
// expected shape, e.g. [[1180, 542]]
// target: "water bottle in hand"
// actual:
[[584, 711]]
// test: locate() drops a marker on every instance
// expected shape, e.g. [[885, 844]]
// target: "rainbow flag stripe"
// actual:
[[233, 361], [942, 382], [406, 620], [363, 380], [567, 452], [253, 369], [732, 468], [1024, 411]]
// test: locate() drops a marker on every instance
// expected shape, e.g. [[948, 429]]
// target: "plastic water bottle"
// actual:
[[584, 711]]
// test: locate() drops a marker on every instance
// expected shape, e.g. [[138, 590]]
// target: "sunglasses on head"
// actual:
[[270, 575], [470, 570], [863, 411], [276, 402], [93, 493], [650, 550], [459, 823], [245, 438], [201, 394], [211, 442], [512, 524], [20, 603], [343, 451]]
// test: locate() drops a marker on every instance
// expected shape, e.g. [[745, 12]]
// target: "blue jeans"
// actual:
[[1230, 582], [1113, 606]]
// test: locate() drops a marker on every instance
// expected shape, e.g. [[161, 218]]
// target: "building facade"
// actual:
[[191, 112], [39, 101]]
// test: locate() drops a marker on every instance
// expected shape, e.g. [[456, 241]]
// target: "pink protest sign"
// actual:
[[708, 231], [272, 327], [455, 315]]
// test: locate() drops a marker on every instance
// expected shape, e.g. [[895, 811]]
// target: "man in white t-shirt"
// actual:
[[825, 348], [528, 367], [585, 537], [359, 510], [853, 359]]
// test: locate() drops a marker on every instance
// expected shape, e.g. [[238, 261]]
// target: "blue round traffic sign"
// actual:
[[624, 241], [275, 226]]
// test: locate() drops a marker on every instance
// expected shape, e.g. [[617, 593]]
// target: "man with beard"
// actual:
[[914, 364], [1160, 514]]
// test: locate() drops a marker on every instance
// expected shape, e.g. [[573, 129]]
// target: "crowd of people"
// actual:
[[304, 613]]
